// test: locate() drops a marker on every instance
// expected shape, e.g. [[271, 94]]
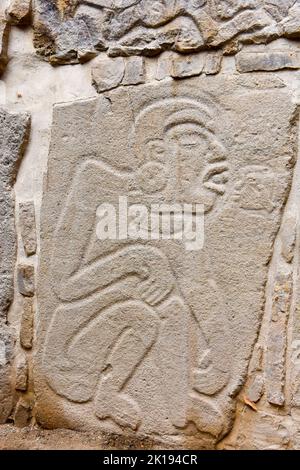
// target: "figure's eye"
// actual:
[[191, 141], [157, 149]]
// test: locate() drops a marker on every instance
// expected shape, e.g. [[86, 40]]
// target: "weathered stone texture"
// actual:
[[267, 61], [213, 63], [22, 414], [277, 341], [134, 71], [108, 73], [75, 31], [21, 373], [27, 322], [256, 388], [4, 35], [150, 336], [7, 341], [27, 225], [190, 66], [14, 130], [19, 12], [26, 280]]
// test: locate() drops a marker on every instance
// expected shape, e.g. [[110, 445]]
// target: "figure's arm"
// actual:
[[71, 280]]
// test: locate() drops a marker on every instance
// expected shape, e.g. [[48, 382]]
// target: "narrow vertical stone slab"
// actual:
[[277, 341], [213, 63], [7, 342], [4, 35], [26, 280], [14, 130], [28, 227], [26, 329], [151, 336], [21, 373]]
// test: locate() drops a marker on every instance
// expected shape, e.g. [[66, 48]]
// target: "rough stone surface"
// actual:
[[213, 63], [22, 415], [276, 349], [4, 35], [26, 280], [77, 30], [134, 71], [7, 341], [267, 61], [149, 337], [19, 12], [187, 66], [262, 430], [14, 130], [288, 238], [255, 389], [26, 329], [108, 73], [27, 225], [21, 373]]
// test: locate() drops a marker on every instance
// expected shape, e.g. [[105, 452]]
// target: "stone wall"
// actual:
[[175, 101]]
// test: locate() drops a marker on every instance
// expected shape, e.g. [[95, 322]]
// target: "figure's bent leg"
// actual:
[[71, 366], [138, 329], [174, 358]]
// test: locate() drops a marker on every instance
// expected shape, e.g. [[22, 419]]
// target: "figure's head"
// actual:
[[179, 154]]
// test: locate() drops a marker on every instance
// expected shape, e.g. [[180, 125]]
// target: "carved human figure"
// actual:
[[178, 135], [118, 291]]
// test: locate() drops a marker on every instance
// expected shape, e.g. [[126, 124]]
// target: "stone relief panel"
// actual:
[[147, 336]]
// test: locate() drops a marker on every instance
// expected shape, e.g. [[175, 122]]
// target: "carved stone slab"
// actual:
[[147, 337]]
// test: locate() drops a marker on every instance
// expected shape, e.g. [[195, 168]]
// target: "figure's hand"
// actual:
[[156, 288], [158, 281]]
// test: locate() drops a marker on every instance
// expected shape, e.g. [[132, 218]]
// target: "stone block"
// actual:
[[108, 73], [267, 61], [27, 322], [26, 280], [154, 336]]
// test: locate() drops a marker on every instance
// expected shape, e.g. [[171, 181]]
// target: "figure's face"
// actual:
[[199, 180], [181, 163]]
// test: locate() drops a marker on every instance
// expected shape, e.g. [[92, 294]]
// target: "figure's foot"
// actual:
[[119, 407], [209, 381], [206, 415], [66, 380], [207, 378]]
